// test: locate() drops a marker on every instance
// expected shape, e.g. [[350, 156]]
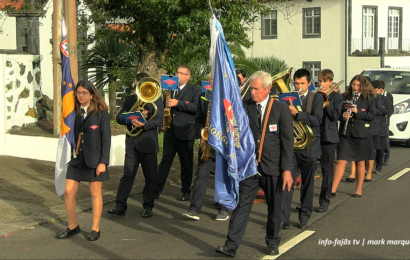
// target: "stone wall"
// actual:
[[22, 87]]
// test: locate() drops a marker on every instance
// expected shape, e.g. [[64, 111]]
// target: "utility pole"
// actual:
[[71, 18], [57, 65]]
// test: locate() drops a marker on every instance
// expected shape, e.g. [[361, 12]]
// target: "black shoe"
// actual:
[[303, 225], [356, 196], [116, 211], [94, 235], [367, 180], [272, 250], [285, 226], [184, 197], [350, 179], [298, 207], [147, 213], [386, 161], [333, 194], [322, 208], [226, 250], [68, 233]]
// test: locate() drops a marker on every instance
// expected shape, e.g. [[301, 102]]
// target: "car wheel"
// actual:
[[408, 142]]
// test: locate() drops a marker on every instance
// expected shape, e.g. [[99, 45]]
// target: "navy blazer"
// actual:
[[183, 115], [359, 125], [95, 139], [375, 123], [331, 116], [391, 104], [387, 110], [277, 150], [314, 121], [200, 119], [147, 141]]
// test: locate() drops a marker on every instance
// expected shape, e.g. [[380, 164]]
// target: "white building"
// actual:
[[341, 35]]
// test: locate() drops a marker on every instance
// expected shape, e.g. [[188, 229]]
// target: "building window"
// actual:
[[314, 68], [394, 30], [311, 23], [270, 25], [369, 41]]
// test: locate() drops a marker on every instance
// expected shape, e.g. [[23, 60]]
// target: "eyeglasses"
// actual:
[[181, 73], [355, 85], [83, 93]]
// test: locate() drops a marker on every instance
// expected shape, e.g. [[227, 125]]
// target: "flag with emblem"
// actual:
[[66, 142], [229, 132]]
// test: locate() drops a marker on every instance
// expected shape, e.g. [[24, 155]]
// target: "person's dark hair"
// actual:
[[141, 75], [365, 86], [96, 103], [242, 72], [185, 67], [377, 84], [300, 73], [383, 86]]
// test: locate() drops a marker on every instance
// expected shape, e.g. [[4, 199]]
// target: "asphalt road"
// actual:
[[382, 213], [375, 226]]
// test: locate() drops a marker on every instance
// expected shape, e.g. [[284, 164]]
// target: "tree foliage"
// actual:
[[167, 31]]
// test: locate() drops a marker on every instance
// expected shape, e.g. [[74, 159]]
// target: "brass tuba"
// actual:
[[148, 90], [302, 133], [326, 94]]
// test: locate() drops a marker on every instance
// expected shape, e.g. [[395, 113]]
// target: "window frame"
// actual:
[[400, 9], [268, 37], [375, 27], [312, 70], [311, 35]]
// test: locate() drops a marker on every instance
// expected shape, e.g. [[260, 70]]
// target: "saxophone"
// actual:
[[206, 148], [166, 124]]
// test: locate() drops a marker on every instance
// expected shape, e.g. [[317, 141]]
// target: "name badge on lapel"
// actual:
[[273, 128], [366, 125], [93, 127]]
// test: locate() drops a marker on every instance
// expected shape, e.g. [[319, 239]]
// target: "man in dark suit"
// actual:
[[387, 144], [306, 159], [274, 167], [386, 111], [180, 137], [329, 137], [141, 149]]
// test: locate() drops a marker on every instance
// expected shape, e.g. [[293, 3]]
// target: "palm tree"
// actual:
[[110, 61]]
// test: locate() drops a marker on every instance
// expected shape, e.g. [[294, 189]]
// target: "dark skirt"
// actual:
[[376, 142], [355, 149], [81, 172]]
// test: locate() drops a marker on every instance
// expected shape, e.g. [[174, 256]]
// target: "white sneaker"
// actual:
[[222, 215], [191, 215]]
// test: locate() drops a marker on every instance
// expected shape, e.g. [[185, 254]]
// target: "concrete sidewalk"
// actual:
[[28, 198]]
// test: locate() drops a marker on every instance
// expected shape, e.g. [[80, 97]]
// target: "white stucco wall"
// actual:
[[293, 49], [355, 65], [8, 37], [2, 101]]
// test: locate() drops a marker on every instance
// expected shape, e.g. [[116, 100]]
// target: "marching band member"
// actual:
[[306, 159], [141, 149], [93, 137], [355, 134], [274, 168], [329, 137]]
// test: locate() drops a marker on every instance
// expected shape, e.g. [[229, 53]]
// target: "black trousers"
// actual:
[[307, 166], [327, 162], [149, 163], [380, 153], [240, 216], [201, 181], [185, 150]]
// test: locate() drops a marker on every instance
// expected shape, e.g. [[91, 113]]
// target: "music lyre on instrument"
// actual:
[[148, 91]]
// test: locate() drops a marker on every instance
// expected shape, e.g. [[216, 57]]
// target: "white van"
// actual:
[[397, 83]]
